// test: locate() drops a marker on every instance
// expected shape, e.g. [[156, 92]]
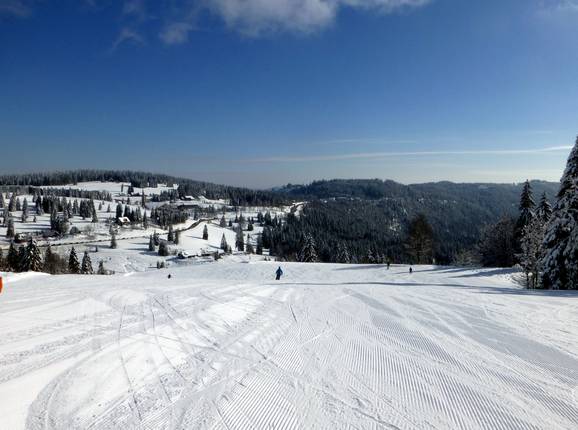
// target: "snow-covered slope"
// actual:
[[222, 345]]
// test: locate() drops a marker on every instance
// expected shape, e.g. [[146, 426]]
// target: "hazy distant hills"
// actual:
[[496, 197]]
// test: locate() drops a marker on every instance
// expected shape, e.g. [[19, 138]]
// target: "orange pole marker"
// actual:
[[1, 284]]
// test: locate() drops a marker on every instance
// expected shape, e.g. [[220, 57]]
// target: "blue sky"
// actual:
[[266, 92]]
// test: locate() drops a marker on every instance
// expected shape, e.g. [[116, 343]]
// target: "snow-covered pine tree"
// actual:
[[249, 248], [21, 258], [12, 258], [205, 233], [239, 239], [544, 210], [308, 252], [177, 237], [343, 254], [151, 243], [10, 233], [369, 257], [101, 270], [171, 234], [94, 212], [145, 221], [163, 249], [52, 262], [526, 208], [118, 211], [2, 261], [531, 251], [223, 222], [560, 261], [224, 244], [32, 258], [86, 267], [113, 243], [73, 264]]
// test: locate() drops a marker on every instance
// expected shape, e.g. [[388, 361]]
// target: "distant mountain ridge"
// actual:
[[377, 189]]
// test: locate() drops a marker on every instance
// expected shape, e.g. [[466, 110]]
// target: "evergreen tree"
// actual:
[[73, 264], [369, 257], [497, 246], [531, 247], [420, 240], [544, 211], [32, 259], [113, 243], [239, 239], [266, 238], [12, 261], [151, 243], [224, 244], [560, 261], [21, 258], [177, 237], [259, 250], [171, 234], [101, 270], [51, 261], [2, 261], [86, 268], [205, 233], [163, 249], [343, 254], [308, 252], [10, 233], [145, 221], [118, 210], [250, 249], [223, 222], [526, 207]]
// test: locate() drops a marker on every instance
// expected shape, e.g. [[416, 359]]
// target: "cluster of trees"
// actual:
[[167, 215], [543, 240], [30, 258], [71, 193], [349, 232]]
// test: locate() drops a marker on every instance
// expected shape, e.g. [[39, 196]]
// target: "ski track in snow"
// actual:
[[222, 346]]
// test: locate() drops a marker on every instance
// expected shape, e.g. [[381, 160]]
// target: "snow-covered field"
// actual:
[[222, 345]]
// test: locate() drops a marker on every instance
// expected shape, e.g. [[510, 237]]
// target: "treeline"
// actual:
[[186, 187], [29, 257], [544, 239]]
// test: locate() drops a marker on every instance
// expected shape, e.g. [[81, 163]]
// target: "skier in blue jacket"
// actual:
[[279, 272]]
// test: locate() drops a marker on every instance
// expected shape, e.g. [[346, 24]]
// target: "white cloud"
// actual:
[[254, 17], [135, 8], [127, 35], [18, 8], [176, 33], [373, 155]]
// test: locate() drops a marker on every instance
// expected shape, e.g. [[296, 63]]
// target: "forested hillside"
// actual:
[[237, 196], [369, 219]]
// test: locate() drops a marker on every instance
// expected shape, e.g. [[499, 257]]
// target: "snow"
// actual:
[[222, 345]]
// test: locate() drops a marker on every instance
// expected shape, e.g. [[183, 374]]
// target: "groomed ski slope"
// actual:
[[224, 346]]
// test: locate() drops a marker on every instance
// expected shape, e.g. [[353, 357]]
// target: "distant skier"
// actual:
[[279, 272], [169, 276], [388, 264], [410, 270]]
